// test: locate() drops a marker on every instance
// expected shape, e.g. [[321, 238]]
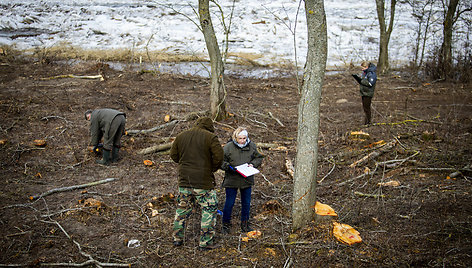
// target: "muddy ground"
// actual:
[[424, 221]]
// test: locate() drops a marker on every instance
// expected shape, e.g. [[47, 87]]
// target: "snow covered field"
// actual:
[[260, 28]]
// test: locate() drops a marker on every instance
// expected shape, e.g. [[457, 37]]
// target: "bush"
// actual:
[[461, 70]]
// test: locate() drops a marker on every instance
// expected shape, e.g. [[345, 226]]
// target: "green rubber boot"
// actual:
[[115, 154], [105, 158]]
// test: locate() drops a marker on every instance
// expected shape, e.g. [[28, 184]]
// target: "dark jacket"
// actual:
[[100, 123], [369, 79], [198, 153], [235, 156]]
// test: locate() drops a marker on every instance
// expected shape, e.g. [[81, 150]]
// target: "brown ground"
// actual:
[[425, 221]]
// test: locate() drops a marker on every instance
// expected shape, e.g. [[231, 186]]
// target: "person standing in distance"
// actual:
[[367, 82], [198, 153], [108, 124]]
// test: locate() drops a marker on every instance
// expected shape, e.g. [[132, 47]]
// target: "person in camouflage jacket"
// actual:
[[198, 153]]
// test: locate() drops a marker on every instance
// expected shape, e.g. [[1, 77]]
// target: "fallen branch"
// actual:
[[277, 120], [398, 88], [135, 132], [70, 188], [156, 148], [167, 146], [189, 117], [404, 122], [75, 76], [348, 181], [369, 195], [386, 147], [267, 145], [426, 121], [334, 165], [396, 162]]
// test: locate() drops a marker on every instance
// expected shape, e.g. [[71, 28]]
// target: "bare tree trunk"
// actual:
[[445, 58], [217, 91], [309, 115], [428, 22], [422, 12], [383, 63]]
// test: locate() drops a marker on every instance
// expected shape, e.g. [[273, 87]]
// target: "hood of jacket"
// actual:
[[205, 123], [371, 68]]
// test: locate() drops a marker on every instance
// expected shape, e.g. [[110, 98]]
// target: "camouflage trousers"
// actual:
[[208, 202]]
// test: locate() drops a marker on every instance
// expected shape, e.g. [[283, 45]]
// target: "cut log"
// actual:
[[156, 148]]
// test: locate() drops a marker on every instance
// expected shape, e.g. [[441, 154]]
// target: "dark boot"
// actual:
[[245, 226], [226, 228], [114, 154], [105, 158]]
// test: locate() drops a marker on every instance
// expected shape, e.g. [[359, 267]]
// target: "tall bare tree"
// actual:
[[445, 56], [452, 12], [422, 11], [383, 63], [217, 88], [309, 115]]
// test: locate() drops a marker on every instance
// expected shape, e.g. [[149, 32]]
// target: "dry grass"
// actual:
[[66, 51]]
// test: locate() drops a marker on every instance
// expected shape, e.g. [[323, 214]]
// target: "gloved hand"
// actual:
[[358, 79]]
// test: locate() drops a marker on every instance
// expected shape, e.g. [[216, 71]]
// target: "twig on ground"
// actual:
[[90, 261], [369, 195], [276, 119], [396, 162], [54, 116], [334, 165], [75, 76], [375, 154], [267, 179]]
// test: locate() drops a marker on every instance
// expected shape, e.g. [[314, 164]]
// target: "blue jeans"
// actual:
[[229, 203]]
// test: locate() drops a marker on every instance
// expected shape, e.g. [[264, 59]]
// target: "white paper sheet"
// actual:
[[246, 170]]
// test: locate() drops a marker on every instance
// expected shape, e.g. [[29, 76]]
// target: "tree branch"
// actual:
[[70, 188]]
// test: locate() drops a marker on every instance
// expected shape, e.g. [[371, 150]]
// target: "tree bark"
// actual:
[[383, 63], [309, 115], [445, 58], [217, 90]]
